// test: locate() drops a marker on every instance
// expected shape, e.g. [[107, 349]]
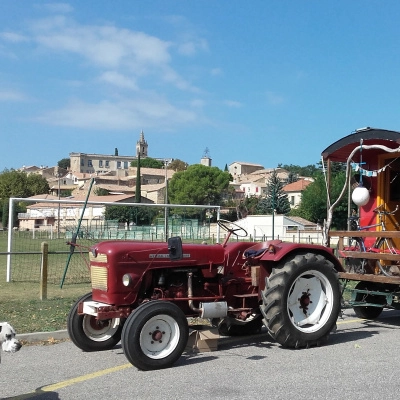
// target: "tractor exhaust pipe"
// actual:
[[217, 309]]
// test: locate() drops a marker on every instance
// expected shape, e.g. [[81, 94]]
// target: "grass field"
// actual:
[[20, 302]]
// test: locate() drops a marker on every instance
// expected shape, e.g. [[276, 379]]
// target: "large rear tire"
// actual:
[[90, 334], [155, 335], [301, 301]]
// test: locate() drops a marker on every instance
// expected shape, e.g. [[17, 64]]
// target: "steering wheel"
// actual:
[[232, 228]]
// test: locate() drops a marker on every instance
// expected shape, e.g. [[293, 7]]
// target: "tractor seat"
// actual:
[[256, 251]]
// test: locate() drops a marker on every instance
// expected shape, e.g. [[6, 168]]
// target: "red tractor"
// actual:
[[143, 293]]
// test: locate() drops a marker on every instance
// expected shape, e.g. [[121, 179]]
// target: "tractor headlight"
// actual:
[[127, 280]]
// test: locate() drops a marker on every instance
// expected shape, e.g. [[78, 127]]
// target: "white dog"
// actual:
[[8, 340]]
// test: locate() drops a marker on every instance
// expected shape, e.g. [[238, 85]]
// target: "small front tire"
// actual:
[[90, 334], [155, 335]]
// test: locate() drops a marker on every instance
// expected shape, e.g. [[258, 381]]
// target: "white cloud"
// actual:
[[108, 47], [102, 46], [170, 75], [12, 95], [275, 98], [57, 7], [123, 115], [119, 80], [232, 103], [190, 47], [216, 72], [13, 37], [197, 103], [118, 57]]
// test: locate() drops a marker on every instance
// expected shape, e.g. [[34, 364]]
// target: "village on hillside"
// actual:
[[115, 175]]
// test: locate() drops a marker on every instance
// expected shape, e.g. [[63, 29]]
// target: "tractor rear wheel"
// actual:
[[301, 301]]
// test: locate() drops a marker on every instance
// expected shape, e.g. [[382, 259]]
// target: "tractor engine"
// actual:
[[187, 287], [173, 283]]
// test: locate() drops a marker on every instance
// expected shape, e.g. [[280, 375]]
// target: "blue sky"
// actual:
[[260, 81]]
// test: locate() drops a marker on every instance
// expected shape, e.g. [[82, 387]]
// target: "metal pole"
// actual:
[[166, 201], [59, 204], [73, 240], [10, 232], [273, 216], [43, 271]]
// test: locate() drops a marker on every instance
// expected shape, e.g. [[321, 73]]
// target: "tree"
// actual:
[[313, 206], [4, 215], [276, 200], [130, 214], [247, 206], [199, 184], [148, 162], [309, 170], [178, 165], [292, 177], [138, 191], [14, 184], [18, 184], [115, 152], [64, 163], [98, 191], [37, 184]]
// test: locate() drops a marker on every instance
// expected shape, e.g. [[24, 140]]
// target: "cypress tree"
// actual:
[[138, 196]]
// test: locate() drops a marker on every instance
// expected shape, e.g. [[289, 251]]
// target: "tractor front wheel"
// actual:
[[301, 301], [155, 335], [90, 334]]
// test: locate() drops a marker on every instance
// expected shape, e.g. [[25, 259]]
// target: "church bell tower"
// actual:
[[141, 146]]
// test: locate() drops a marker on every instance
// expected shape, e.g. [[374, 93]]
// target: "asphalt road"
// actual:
[[361, 361]]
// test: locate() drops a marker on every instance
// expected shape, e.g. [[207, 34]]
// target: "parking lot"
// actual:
[[360, 361]]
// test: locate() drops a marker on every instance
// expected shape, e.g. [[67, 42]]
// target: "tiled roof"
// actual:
[[301, 221], [246, 163], [297, 186]]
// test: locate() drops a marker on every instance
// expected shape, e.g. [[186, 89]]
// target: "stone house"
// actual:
[[295, 189], [42, 215]]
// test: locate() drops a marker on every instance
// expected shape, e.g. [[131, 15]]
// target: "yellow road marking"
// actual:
[[350, 321], [96, 374], [82, 378]]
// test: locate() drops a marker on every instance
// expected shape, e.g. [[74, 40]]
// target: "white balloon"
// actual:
[[360, 196]]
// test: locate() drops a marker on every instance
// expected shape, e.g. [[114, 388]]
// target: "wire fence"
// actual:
[[20, 249], [58, 222], [26, 258]]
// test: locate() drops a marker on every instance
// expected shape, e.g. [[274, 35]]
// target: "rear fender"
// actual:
[[276, 251]]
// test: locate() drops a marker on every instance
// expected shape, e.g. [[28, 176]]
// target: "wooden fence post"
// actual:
[[43, 270]]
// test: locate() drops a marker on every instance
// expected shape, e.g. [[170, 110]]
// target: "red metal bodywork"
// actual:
[[234, 273]]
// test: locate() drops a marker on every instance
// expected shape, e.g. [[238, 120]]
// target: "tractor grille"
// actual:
[[99, 258], [99, 277]]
